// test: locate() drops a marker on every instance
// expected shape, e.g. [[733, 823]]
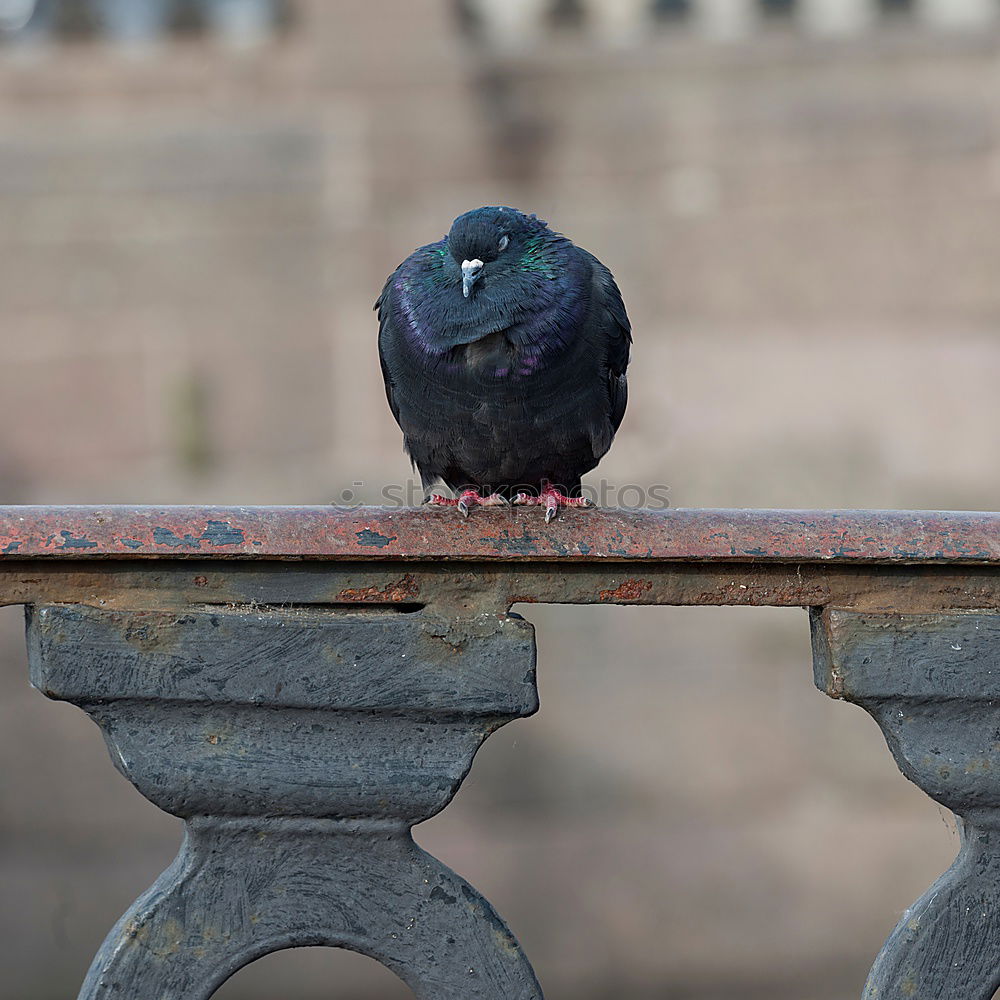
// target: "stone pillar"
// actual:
[[15, 14], [300, 747], [837, 18], [619, 22], [29, 23], [512, 25], [932, 683], [134, 22], [961, 15], [725, 20], [241, 24]]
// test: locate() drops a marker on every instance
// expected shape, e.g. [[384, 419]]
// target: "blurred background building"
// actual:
[[199, 202]]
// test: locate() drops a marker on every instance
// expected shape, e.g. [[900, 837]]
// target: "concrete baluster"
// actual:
[[619, 22], [959, 15], [512, 25], [932, 683], [837, 18], [725, 20]]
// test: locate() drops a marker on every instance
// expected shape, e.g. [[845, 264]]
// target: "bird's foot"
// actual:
[[552, 500], [467, 499]]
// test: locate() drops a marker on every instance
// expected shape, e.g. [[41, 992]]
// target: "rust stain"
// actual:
[[402, 590], [627, 590], [522, 599], [201, 581]]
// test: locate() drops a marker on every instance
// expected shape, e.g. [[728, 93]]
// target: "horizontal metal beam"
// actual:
[[378, 534], [468, 588]]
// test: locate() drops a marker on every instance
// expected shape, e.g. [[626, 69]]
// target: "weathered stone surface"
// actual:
[[242, 889], [300, 746], [932, 683]]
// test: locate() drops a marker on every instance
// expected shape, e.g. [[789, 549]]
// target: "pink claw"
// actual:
[[469, 498], [552, 500]]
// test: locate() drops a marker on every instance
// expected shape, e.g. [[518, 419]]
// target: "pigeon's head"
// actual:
[[489, 241]]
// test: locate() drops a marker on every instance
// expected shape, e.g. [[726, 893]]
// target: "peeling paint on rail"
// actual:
[[380, 533]]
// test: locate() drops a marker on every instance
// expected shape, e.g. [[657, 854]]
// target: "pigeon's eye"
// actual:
[[502, 245]]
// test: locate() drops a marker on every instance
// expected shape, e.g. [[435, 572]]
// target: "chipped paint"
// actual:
[[521, 545], [368, 537], [215, 533], [71, 541], [677, 535]]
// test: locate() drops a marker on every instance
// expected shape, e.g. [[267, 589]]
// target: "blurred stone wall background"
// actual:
[[801, 210]]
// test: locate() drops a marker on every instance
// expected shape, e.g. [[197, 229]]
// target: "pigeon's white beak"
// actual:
[[471, 269]]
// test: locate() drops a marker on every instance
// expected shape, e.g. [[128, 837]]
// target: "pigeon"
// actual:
[[503, 349]]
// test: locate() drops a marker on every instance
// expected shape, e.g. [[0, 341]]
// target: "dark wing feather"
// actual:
[[382, 309], [616, 339], [388, 339]]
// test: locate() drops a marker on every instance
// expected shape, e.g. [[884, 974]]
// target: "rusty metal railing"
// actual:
[[303, 685]]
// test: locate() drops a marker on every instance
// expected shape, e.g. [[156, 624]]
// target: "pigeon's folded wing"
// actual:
[[615, 338]]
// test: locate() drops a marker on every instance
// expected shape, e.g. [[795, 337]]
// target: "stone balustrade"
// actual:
[[304, 685], [512, 26], [518, 24], [237, 23]]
